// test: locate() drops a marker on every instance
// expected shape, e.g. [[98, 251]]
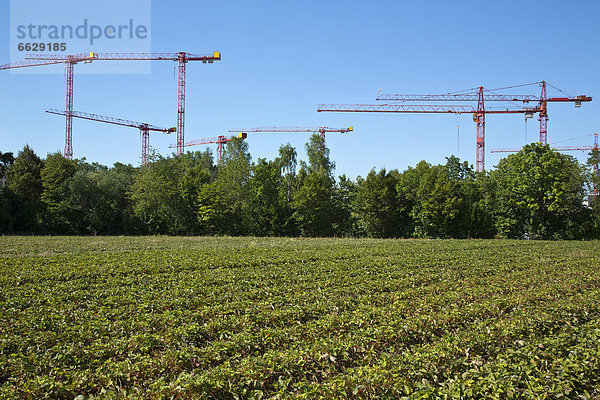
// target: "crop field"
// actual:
[[249, 318]]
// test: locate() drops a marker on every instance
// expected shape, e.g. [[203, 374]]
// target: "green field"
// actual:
[[164, 317]]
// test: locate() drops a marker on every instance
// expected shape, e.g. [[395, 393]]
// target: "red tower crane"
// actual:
[[34, 60], [322, 130], [478, 113], [144, 128], [219, 140], [542, 101], [595, 148], [69, 61]]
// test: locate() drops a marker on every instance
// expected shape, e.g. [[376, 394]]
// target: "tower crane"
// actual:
[[144, 127], [69, 61], [478, 115], [478, 111], [322, 130], [542, 101], [594, 148], [182, 58], [219, 140]]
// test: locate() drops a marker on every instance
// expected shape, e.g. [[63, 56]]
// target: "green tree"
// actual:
[[24, 189], [152, 194], [436, 211], [445, 201], [7, 222], [287, 162], [474, 219], [315, 200], [223, 205], [314, 205], [165, 192], [318, 155], [195, 170], [6, 205], [538, 192], [6, 161], [265, 199], [593, 162], [594, 199], [377, 206], [59, 215], [101, 197], [345, 198]]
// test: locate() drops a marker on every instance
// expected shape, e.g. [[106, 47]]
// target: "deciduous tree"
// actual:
[[59, 215], [223, 205], [376, 204], [24, 184], [538, 193]]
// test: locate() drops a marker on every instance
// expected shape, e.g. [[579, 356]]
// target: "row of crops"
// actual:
[[298, 318]]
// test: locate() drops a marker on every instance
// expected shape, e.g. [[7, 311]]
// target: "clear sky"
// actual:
[[282, 58]]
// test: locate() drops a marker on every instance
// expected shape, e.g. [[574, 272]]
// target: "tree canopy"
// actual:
[[537, 193]]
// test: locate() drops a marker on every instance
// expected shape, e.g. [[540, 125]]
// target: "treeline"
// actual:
[[537, 193]]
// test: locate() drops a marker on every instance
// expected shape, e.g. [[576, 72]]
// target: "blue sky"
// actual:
[[282, 58]]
